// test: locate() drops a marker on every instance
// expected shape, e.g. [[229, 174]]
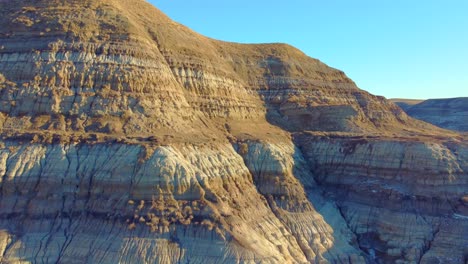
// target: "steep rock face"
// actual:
[[446, 113], [127, 137], [124, 67], [405, 199], [181, 203]]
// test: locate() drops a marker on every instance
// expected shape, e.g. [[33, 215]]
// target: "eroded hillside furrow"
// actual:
[[394, 218], [126, 137], [281, 176], [177, 188]]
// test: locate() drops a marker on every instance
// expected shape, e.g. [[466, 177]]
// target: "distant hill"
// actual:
[[451, 113], [406, 103]]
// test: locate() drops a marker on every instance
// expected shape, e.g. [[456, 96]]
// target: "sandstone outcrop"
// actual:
[[129, 138]]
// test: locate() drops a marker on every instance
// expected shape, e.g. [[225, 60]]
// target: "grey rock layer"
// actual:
[[129, 138]]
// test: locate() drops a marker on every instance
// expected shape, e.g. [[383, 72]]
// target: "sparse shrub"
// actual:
[[208, 224], [243, 148], [141, 205]]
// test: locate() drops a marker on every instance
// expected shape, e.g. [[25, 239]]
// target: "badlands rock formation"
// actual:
[[449, 113], [129, 138]]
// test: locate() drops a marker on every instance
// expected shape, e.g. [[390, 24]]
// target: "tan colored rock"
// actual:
[[129, 138]]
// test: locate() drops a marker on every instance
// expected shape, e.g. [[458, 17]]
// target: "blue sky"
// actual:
[[395, 48]]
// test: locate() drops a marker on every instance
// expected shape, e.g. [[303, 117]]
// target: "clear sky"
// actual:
[[395, 48]]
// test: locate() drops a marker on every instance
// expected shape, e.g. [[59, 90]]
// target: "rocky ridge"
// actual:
[[129, 138]]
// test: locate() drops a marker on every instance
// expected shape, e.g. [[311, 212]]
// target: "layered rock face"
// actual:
[[404, 198], [449, 113], [128, 138]]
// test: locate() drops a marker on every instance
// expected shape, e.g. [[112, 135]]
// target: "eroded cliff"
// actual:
[[129, 138]]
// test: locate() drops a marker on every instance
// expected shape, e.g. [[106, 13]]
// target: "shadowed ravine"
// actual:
[[129, 138]]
